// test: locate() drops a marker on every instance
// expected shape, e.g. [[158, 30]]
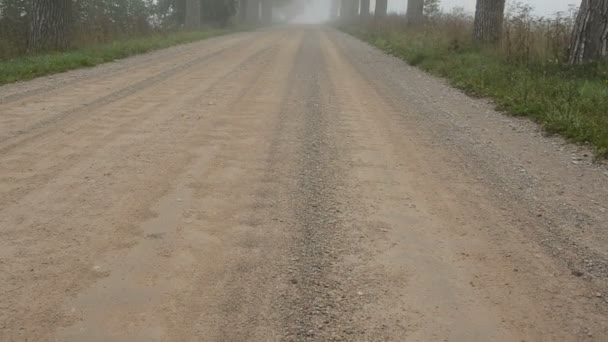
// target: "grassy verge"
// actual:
[[29, 67], [569, 101]]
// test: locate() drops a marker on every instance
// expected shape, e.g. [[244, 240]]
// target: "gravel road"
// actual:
[[290, 184]]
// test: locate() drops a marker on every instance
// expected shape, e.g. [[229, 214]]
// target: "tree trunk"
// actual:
[[364, 11], [267, 11], [489, 16], [51, 25], [414, 15], [381, 8], [590, 35], [193, 14], [349, 9], [334, 8], [242, 11], [253, 12]]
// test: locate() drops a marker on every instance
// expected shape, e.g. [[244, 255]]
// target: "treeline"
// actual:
[[33, 26], [588, 36]]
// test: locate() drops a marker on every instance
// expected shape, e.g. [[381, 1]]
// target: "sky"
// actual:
[[319, 9]]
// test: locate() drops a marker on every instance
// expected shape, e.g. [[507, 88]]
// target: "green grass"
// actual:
[[29, 67], [571, 101]]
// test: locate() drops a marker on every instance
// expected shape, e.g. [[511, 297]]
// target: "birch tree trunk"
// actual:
[[489, 16], [51, 25], [415, 12], [590, 35]]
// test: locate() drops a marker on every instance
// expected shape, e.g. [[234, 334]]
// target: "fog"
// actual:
[[318, 10]]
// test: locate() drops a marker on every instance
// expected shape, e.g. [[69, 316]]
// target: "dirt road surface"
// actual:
[[291, 184]]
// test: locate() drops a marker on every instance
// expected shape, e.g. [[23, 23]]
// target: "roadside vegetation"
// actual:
[[41, 37], [28, 67], [528, 68]]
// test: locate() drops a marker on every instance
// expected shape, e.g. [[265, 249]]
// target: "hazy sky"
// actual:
[[319, 9]]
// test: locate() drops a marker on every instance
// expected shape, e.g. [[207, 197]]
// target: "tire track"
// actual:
[[41, 178], [110, 98], [110, 70]]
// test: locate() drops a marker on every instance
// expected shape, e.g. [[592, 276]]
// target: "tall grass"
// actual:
[[525, 74]]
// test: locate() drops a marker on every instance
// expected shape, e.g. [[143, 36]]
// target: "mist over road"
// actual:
[[289, 184]]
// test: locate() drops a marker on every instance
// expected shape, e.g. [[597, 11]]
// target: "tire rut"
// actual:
[[114, 96], [41, 179]]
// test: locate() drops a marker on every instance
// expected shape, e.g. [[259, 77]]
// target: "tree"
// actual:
[[14, 27], [253, 12], [193, 14], [590, 35], [489, 15], [334, 8], [381, 8], [349, 9], [364, 11], [432, 9], [242, 11], [414, 15], [267, 11], [217, 11], [51, 25]]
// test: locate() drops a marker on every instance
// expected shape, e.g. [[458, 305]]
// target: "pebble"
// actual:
[[360, 293], [577, 273]]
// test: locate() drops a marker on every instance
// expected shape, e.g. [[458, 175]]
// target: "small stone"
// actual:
[[179, 199], [577, 273], [360, 293], [598, 295]]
